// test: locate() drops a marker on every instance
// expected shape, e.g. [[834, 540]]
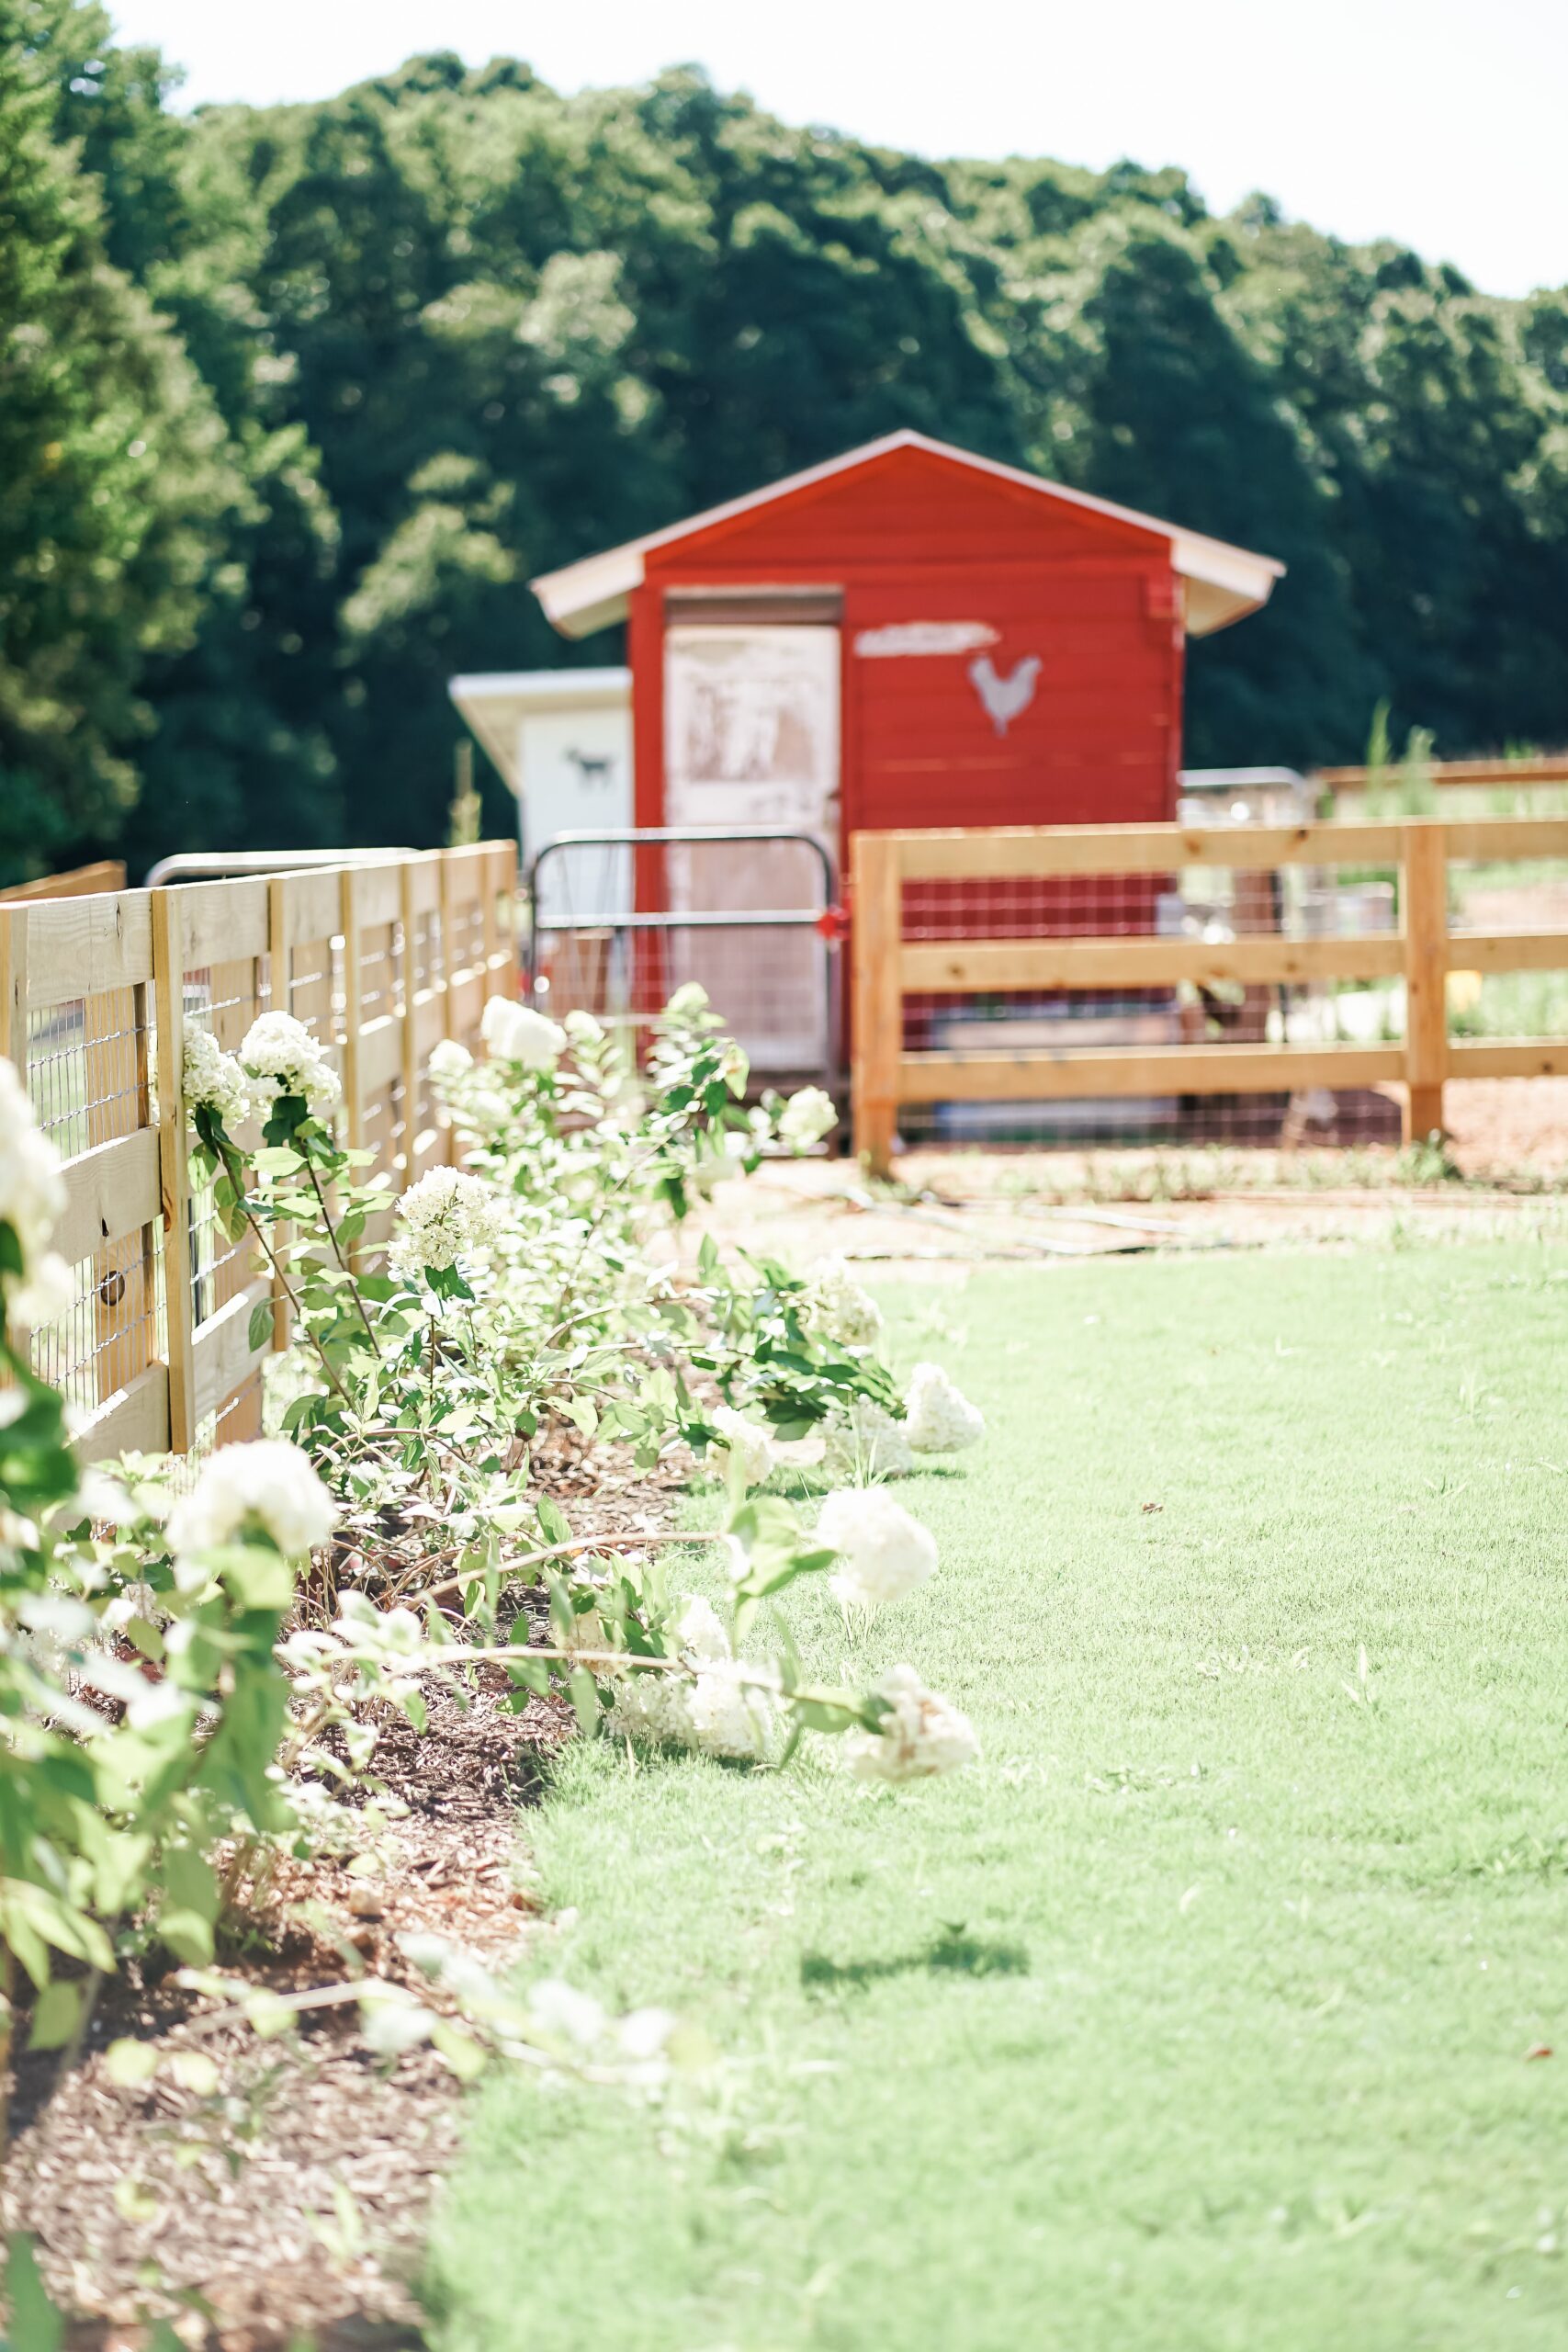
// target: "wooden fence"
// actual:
[[378, 960], [1422, 852], [80, 882]]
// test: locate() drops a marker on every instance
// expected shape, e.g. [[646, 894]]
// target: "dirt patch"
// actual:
[[289, 2204], [953, 1211], [291, 2199]]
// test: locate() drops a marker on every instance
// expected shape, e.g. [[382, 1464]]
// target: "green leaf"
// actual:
[[258, 1332], [36, 2324], [554, 1525], [56, 2014], [584, 1697], [463, 2054], [130, 2063]]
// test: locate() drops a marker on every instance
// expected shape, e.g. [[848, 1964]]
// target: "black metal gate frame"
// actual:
[[826, 919]]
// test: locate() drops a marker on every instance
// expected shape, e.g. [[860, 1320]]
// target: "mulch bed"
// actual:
[[291, 2204]]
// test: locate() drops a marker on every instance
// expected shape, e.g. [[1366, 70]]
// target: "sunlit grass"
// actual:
[[1199, 2015]]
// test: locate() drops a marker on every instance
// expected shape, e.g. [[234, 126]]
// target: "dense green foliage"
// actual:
[[297, 400], [1199, 2014]]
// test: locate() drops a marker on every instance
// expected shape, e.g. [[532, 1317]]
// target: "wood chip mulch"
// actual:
[[289, 2205]]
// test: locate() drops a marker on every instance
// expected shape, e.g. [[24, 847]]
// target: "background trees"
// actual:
[[293, 401]]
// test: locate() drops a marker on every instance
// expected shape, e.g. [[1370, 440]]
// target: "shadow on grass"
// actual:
[[952, 1953]]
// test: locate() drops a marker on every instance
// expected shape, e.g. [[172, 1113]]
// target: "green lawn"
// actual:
[[1197, 2016]]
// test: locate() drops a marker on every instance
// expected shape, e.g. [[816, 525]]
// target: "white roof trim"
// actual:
[[1224, 583], [496, 702]]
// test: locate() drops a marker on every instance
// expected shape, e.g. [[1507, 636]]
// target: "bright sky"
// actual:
[[1439, 123]]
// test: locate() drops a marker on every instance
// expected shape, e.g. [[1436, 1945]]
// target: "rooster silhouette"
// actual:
[[1005, 699]]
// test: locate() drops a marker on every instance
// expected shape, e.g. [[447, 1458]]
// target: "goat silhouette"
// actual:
[[1004, 699]]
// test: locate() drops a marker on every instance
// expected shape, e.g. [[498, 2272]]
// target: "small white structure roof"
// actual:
[[1223, 582], [495, 703]]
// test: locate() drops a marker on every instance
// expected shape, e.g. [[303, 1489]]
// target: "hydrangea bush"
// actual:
[[192, 1675]]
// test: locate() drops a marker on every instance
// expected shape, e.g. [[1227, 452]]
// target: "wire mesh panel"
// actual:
[[1280, 984], [622, 920]]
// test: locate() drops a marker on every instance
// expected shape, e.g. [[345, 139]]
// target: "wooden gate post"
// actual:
[[1425, 913], [876, 944]]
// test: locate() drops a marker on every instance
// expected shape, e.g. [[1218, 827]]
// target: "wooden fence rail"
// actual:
[[378, 961], [888, 966]]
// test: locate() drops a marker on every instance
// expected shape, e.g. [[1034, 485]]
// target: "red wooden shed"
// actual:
[[909, 635]]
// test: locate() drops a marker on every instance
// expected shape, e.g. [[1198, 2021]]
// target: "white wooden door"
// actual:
[[751, 738]]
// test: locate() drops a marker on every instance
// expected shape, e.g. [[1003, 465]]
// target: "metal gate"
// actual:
[[621, 919]]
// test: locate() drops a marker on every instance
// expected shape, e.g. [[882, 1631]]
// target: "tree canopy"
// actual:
[[293, 400]]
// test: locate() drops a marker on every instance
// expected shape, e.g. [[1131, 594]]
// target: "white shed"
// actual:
[[562, 739]]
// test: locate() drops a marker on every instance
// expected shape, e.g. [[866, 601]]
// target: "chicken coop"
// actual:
[[907, 635]]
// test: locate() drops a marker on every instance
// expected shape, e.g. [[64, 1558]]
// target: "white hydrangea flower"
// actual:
[[689, 1000], [747, 1443], [281, 1058], [883, 1552], [806, 1117], [837, 1307], [865, 1442], [516, 1033], [213, 1080], [448, 1215], [938, 1417], [450, 1063], [267, 1485], [700, 1631], [717, 1714], [922, 1734], [729, 1716], [32, 1201], [46, 1292], [563, 2014]]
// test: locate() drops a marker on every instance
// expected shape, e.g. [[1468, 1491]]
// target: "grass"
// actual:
[[1199, 2015]]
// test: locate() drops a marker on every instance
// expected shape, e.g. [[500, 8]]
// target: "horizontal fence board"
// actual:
[[135, 1419], [424, 884], [221, 1356], [223, 921], [378, 894], [110, 1190], [1156, 1071], [1508, 951], [965, 966], [82, 947], [311, 906], [1548, 768], [1524, 1058], [1009, 852], [1487, 838]]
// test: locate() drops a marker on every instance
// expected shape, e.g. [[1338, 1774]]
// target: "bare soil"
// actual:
[[288, 2206]]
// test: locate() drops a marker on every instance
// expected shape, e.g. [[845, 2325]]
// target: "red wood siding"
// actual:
[[913, 537]]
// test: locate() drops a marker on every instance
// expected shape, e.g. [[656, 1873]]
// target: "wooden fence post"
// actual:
[[1425, 913], [876, 937], [14, 988], [173, 1171]]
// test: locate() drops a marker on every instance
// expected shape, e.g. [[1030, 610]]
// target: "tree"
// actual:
[[113, 481]]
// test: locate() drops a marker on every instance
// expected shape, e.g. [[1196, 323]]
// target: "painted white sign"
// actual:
[[902, 640]]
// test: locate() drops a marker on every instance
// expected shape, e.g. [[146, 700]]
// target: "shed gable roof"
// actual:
[[1222, 583]]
